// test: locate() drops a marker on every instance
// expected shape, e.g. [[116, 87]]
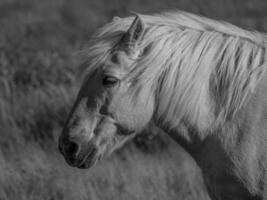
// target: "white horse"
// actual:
[[202, 81]]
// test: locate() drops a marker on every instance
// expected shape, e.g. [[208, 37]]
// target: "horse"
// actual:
[[201, 81]]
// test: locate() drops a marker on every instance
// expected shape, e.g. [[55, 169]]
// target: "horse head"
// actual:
[[107, 112]]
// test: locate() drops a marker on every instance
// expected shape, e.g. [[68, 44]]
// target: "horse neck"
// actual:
[[236, 145], [183, 107], [187, 137]]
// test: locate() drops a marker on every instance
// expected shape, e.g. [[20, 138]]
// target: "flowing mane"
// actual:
[[197, 68]]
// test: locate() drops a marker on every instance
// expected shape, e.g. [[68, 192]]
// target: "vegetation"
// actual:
[[39, 78]]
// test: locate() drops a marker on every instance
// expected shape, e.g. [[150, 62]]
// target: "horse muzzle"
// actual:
[[77, 154]]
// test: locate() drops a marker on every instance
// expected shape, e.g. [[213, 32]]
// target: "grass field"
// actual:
[[39, 78]]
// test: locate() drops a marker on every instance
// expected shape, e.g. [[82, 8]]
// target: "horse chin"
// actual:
[[90, 160]]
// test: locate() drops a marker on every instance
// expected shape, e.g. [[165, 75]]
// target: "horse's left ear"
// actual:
[[132, 38]]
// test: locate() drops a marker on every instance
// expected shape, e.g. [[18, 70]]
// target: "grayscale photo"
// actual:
[[133, 100]]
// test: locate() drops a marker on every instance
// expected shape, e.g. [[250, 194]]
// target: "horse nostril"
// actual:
[[71, 148]]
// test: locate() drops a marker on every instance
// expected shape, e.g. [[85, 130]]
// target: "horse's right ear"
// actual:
[[132, 38]]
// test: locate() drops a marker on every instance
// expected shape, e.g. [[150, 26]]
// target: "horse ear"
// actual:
[[134, 34]]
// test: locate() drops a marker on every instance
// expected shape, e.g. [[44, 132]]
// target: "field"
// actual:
[[39, 78]]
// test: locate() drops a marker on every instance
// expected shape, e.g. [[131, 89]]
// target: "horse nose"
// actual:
[[70, 149]]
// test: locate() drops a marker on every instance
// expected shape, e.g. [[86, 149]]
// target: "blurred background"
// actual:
[[39, 79]]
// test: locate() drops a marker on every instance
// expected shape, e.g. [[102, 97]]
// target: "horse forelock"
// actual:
[[197, 67]]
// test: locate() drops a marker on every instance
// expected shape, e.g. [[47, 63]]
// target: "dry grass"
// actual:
[[38, 82]]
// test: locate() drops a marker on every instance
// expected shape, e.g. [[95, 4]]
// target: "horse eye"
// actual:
[[109, 81]]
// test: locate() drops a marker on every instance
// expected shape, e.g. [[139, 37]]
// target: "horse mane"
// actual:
[[198, 69]]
